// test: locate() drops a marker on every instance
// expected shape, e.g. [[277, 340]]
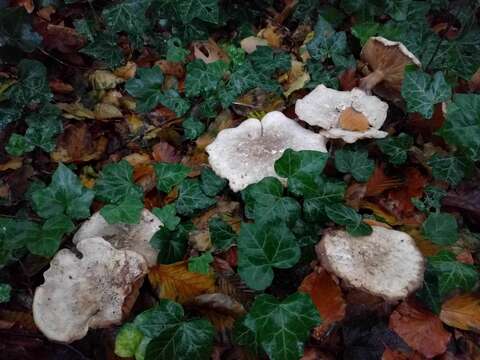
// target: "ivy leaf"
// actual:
[[64, 196], [127, 211], [451, 273], [170, 175], [106, 49], [447, 168], [167, 215], [221, 233], [261, 248], [16, 29], [422, 91], [128, 340], [432, 199], [396, 148], [242, 79], [193, 128], [14, 236], [364, 31], [398, 9], [146, 87], [8, 115], [152, 321], [175, 51], [205, 10], [282, 327], [327, 44], [200, 264], [441, 228], [355, 162], [203, 78], [462, 125], [171, 244], [264, 202], [319, 192], [266, 61], [294, 164], [5, 293], [211, 183], [18, 145], [49, 237], [172, 100], [191, 198], [344, 215], [115, 183]]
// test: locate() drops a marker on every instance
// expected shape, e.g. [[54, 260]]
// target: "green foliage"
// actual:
[[344, 215], [200, 264], [105, 48], [280, 327], [46, 240], [5, 293], [170, 175], [168, 216], [203, 78], [422, 91], [319, 192], [191, 198], [171, 244], [127, 211], [128, 340], [447, 168], [211, 183], [188, 10], [193, 128], [16, 29], [432, 199], [267, 62], [262, 248], [221, 233], [356, 163], [396, 148], [441, 228], [115, 183]]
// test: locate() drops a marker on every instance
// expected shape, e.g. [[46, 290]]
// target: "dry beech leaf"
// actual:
[[420, 329], [379, 182], [12, 164], [171, 68], [327, 297], [126, 71], [272, 34], [176, 283], [60, 87], [208, 51], [59, 37], [76, 111], [164, 152], [462, 312], [390, 354], [106, 112], [17, 319]]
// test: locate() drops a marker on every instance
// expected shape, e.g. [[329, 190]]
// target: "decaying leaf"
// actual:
[[462, 312]]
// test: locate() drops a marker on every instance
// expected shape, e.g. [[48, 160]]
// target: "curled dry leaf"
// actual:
[[420, 329], [104, 80], [295, 79], [105, 111], [175, 282], [272, 34], [462, 312], [164, 152], [126, 71], [60, 87], [13, 163], [76, 111], [208, 51], [171, 68]]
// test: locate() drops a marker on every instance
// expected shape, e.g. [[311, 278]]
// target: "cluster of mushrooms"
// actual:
[[99, 288]]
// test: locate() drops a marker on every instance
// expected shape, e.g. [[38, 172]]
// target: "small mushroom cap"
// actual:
[[324, 107], [386, 263], [247, 153], [134, 237], [90, 292], [387, 58]]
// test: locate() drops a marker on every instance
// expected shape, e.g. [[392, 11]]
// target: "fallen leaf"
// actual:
[[327, 297], [135, 123], [27, 4], [59, 37], [104, 111], [426, 247], [12, 164], [420, 329], [466, 198], [200, 240], [104, 80], [295, 79], [273, 35], [230, 283], [176, 283], [112, 97], [379, 182], [59, 87], [18, 320], [164, 152], [208, 51], [462, 312], [379, 211], [171, 68], [390, 354], [126, 71]]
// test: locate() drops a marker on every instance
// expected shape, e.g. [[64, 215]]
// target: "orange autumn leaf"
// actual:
[[326, 295], [175, 282], [390, 354], [379, 182], [420, 329], [462, 312]]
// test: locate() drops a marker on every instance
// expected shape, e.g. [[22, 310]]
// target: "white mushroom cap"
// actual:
[[324, 106], [134, 237], [246, 154], [386, 263], [90, 292]]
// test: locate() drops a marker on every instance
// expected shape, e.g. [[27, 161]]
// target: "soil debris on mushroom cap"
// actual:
[[247, 153], [87, 292], [385, 263]]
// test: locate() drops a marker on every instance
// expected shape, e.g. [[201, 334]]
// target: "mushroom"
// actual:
[[348, 115], [385, 263], [247, 153], [87, 292], [124, 236], [386, 60]]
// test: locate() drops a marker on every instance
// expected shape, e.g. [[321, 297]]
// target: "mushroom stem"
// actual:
[[371, 80]]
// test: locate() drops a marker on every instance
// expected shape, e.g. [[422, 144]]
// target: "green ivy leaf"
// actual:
[[14, 236], [115, 183], [364, 31], [398, 9], [172, 100], [175, 51], [344, 215], [451, 273], [170, 175], [221, 233], [203, 78], [205, 10], [282, 327], [462, 124], [200, 264], [327, 44], [243, 78], [296, 164], [8, 115], [211, 183], [193, 128], [432, 199], [105, 48], [146, 87], [319, 192], [64, 196], [422, 91], [128, 340], [167, 215], [18, 145], [16, 29], [5, 293], [264, 202], [441, 228], [191, 198], [127, 211], [261, 248], [267, 62], [447, 168], [171, 244], [49, 237], [396, 148], [356, 163]]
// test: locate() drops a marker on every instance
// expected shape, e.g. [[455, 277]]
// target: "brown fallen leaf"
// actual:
[[164, 152], [175, 282], [105, 111], [171, 68], [379, 182], [12, 164], [27, 4], [327, 297], [126, 71], [59, 87], [390, 354], [426, 247], [76, 111], [273, 35], [462, 312], [59, 37], [209, 51], [420, 329]]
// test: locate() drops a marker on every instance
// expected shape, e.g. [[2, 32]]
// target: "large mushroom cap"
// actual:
[[387, 60], [134, 237], [349, 115], [385, 263], [90, 292], [246, 154]]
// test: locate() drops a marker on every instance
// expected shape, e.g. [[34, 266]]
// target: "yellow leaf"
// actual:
[[379, 212], [76, 111], [104, 80], [107, 111], [13, 164], [462, 312], [175, 282]]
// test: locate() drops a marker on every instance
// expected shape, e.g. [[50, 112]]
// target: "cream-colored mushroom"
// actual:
[[88, 292], [247, 153], [386, 66], [134, 237], [386, 263], [348, 115]]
